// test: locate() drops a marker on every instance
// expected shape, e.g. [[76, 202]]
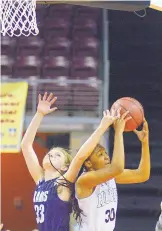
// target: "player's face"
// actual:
[[99, 159], [56, 157]]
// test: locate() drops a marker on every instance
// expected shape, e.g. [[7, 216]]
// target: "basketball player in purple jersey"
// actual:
[[96, 188], [54, 193]]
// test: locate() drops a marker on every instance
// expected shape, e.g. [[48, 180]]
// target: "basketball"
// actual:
[[135, 109]]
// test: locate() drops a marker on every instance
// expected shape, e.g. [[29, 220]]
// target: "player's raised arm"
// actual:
[[141, 174], [44, 108], [95, 177], [87, 148]]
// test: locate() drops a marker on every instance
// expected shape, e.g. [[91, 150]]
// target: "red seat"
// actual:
[[49, 34], [57, 52], [59, 42], [67, 47], [26, 66], [58, 46], [7, 45], [56, 66], [85, 62], [6, 65], [31, 45], [85, 24], [89, 46], [78, 34], [57, 23], [84, 67]]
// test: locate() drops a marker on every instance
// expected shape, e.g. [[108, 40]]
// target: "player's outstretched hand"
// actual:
[[45, 103], [109, 118], [143, 135], [119, 124]]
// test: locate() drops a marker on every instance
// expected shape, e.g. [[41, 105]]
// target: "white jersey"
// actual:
[[100, 208]]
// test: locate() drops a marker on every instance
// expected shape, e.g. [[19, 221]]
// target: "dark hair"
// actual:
[[71, 186], [98, 148], [75, 206]]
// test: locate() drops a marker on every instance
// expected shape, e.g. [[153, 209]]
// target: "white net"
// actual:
[[18, 17]]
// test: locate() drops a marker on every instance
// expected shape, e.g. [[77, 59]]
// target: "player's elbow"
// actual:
[[143, 177], [25, 146], [26, 142], [120, 169], [117, 170]]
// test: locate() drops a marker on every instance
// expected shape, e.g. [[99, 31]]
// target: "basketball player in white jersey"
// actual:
[[96, 188]]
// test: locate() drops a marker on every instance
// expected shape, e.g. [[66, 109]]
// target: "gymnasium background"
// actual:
[[89, 58]]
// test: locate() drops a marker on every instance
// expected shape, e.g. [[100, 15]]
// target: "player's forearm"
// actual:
[[118, 158], [30, 134], [144, 166], [87, 148]]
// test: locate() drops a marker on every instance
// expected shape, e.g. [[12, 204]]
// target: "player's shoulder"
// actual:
[[86, 174], [46, 184], [40, 181], [39, 184]]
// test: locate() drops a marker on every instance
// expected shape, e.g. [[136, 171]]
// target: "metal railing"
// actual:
[[73, 95]]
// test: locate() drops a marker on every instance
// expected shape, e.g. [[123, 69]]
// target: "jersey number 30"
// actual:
[[39, 209], [110, 215]]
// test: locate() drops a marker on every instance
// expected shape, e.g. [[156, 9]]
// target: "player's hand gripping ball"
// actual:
[[136, 112]]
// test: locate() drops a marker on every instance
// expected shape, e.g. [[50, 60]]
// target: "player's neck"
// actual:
[[49, 175]]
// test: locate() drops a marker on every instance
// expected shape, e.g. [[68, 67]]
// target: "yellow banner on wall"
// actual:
[[12, 108]]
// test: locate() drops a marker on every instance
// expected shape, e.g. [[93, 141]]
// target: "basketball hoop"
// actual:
[[18, 17]]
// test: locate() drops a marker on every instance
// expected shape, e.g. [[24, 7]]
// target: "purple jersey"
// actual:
[[52, 214]]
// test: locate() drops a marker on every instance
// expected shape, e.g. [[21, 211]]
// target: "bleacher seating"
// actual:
[[67, 46]]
